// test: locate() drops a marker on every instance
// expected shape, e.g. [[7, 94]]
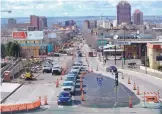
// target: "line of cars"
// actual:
[[52, 67], [68, 86]]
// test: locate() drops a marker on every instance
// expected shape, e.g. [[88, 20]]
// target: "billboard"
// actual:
[[35, 35], [51, 35], [19, 35]]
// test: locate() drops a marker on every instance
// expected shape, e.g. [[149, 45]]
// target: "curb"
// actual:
[[2, 101], [142, 74]]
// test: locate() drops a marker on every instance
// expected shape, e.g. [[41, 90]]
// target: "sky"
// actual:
[[57, 8]]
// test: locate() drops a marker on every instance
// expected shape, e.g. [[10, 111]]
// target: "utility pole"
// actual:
[[116, 85], [115, 54], [145, 60]]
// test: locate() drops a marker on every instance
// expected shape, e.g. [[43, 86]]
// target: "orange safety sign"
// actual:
[[151, 99]]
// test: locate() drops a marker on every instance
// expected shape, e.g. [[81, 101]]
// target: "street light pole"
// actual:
[[145, 60], [124, 45]]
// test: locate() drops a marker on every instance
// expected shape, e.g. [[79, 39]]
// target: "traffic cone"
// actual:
[[57, 83], [138, 92], [97, 68], [82, 96], [45, 101], [129, 81], [130, 102], [61, 77], [134, 86], [81, 79], [40, 100], [91, 70], [62, 73], [81, 88]]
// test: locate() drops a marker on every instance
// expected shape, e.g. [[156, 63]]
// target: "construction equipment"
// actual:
[[28, 75]]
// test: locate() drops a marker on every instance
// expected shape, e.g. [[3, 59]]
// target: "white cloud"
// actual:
[[65, 13]]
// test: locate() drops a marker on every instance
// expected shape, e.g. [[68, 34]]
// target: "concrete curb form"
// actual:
[[142, 73], [2, 101]]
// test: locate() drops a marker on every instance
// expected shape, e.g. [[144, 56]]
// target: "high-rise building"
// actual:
[[107, 24], [86, 24], [34, 21], [44, 19], [11, 23], [41, 24], [123, 12], [138, 17]]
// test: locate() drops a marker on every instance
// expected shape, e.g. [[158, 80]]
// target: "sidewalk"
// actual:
[[137, 69], [7, 89]]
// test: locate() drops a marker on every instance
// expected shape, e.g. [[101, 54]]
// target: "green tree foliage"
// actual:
[[3, 51], [13, 49]]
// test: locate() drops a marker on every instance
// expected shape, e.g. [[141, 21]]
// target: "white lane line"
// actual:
[[60, 106]]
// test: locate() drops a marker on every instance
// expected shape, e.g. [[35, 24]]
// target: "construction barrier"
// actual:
[[151, 97], [20, 107]]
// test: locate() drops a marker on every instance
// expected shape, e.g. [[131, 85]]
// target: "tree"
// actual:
[[8, 49], [16, 49], [13, 49], [3, 51]]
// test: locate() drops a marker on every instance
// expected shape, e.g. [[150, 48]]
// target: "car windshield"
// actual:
[[67, 84], [63, 94], [70, 78], [56, 67], [75, 67]]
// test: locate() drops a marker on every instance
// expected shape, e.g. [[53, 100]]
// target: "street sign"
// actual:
[[99, 81], [122, 43]]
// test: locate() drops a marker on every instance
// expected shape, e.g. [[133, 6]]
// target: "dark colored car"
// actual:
[[64, 98], [111, 69]]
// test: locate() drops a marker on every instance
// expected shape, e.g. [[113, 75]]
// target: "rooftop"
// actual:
[[137, 11], [123, 2]]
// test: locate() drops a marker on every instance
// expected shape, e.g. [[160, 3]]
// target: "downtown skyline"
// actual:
[[61, 8]]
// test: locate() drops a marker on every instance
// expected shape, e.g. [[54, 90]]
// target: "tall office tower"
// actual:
[[123, 12]]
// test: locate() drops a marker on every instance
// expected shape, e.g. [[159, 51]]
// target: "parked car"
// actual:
[[64, 98], [68, 86]]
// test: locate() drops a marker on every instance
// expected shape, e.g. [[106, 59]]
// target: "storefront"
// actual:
[[154, 50]]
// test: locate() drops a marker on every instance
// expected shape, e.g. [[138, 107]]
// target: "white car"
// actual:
[[68, 86], [47, 68], [76, 69], [56, 70]]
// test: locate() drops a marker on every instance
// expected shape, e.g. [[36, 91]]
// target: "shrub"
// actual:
[[3, 65], [160, 68]]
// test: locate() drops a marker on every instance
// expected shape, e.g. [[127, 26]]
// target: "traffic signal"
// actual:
[[116, 78], [116, 75]]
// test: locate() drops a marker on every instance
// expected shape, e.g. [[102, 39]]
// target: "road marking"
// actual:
[[60, 106], [75, 106]]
